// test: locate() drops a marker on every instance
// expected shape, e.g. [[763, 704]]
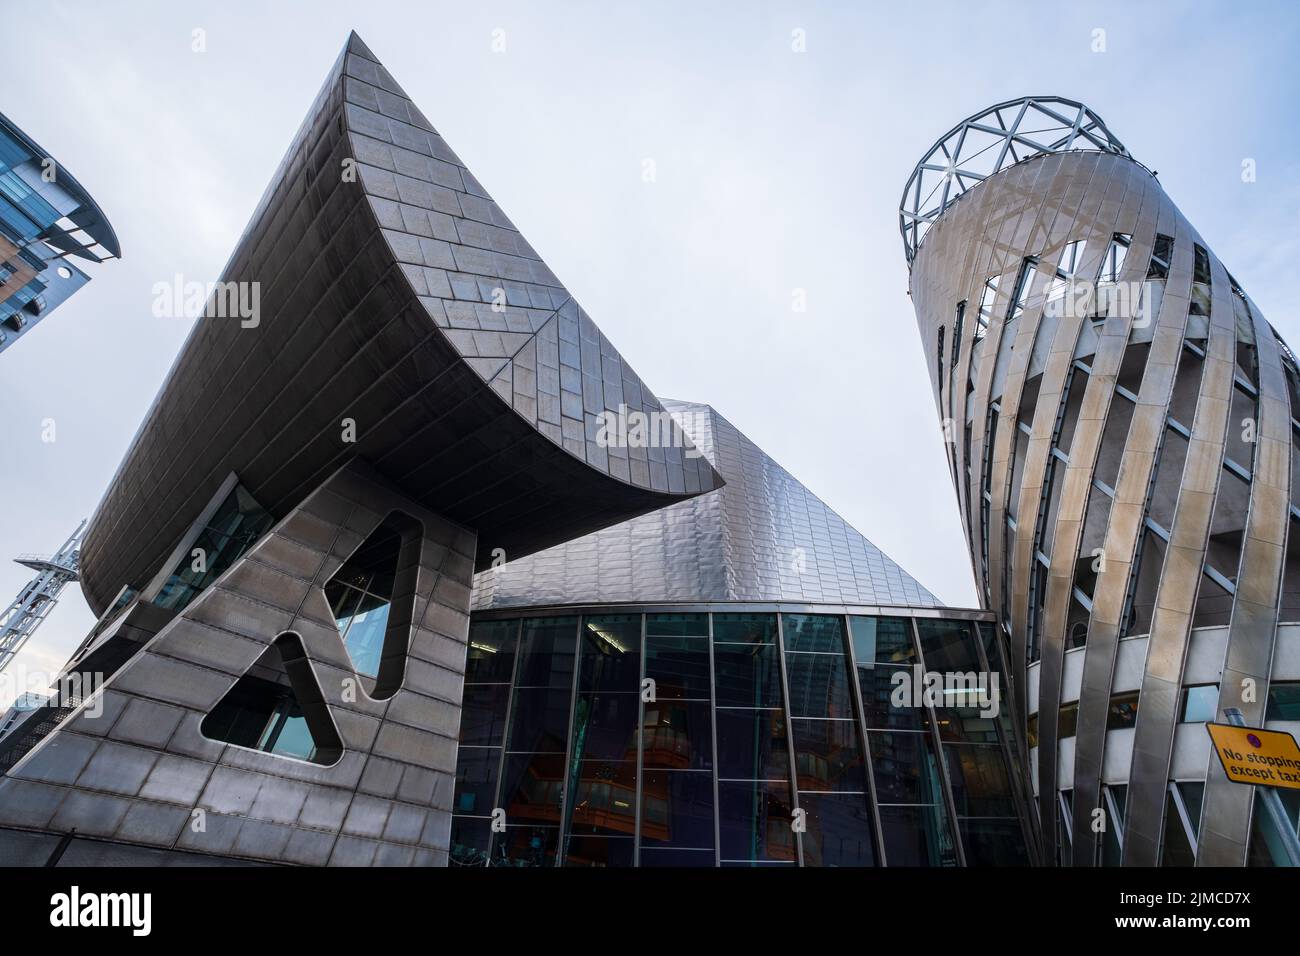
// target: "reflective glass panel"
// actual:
[[531, 788], [744, 628], [905, 768], [483, 714], [292, 737], [539, 722], [813, 632], [917, 836], [748, 675], [1200, 703], [883, 640], [992, 842], [237, 523], [948, 645], [491, 655], [1123, 711], [677, 735], [677, 810], [360, 592], [604, 726], [887, 699], [839, 830], [1193, 794], [1266, 846], [364, 631], [476, 780], [611, 653], [677, 625], [819, 685], [980, 786], [679, 666], [969, 724], [1283, 701], [604, 798], [754, 821], [752, 745], [827, 755], [547, 649]]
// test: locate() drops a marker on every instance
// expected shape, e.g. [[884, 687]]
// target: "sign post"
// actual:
[[1264, 758]]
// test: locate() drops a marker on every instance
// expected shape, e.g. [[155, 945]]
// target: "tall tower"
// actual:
[[1120, 423], [35, 601]]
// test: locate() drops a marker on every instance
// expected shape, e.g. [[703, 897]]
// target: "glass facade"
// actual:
[[24, 216], [360, 596], [46, 220], [233, 528], [711, 737]]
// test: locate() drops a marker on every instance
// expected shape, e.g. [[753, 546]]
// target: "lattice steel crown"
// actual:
[[988, 142]]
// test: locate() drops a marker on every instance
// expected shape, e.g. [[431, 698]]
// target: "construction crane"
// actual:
[[35, 601]]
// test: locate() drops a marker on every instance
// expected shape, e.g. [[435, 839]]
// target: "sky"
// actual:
[[778, 173]]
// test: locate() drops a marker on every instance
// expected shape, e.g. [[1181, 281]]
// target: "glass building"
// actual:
[[46, 221], [784, 657]]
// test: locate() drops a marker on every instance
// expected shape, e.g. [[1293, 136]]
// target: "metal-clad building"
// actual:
[[407, 566], [1121, 424]]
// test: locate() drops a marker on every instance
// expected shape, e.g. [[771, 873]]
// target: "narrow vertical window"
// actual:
[[1067, 267], [1161, 255], [939, 362], [1011, 327], [957, 330], [1113, 261], [372, 598], [987, 298]]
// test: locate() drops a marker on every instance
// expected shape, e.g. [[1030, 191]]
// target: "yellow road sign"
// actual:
[[1265, 758]]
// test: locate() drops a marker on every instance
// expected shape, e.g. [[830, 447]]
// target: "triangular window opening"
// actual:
[[372, 599], [276, 707]]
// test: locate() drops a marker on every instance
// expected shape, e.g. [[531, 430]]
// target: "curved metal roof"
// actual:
[[88, 217], [396, 294], [988, 142]]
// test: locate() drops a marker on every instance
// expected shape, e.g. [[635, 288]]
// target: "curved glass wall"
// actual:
[[709, 736]]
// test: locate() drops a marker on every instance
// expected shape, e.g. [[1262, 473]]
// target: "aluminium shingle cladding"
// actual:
[[763, 536], [396, 295], [498, 303]]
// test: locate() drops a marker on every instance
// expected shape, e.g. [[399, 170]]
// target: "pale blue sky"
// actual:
[[776, 171]]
